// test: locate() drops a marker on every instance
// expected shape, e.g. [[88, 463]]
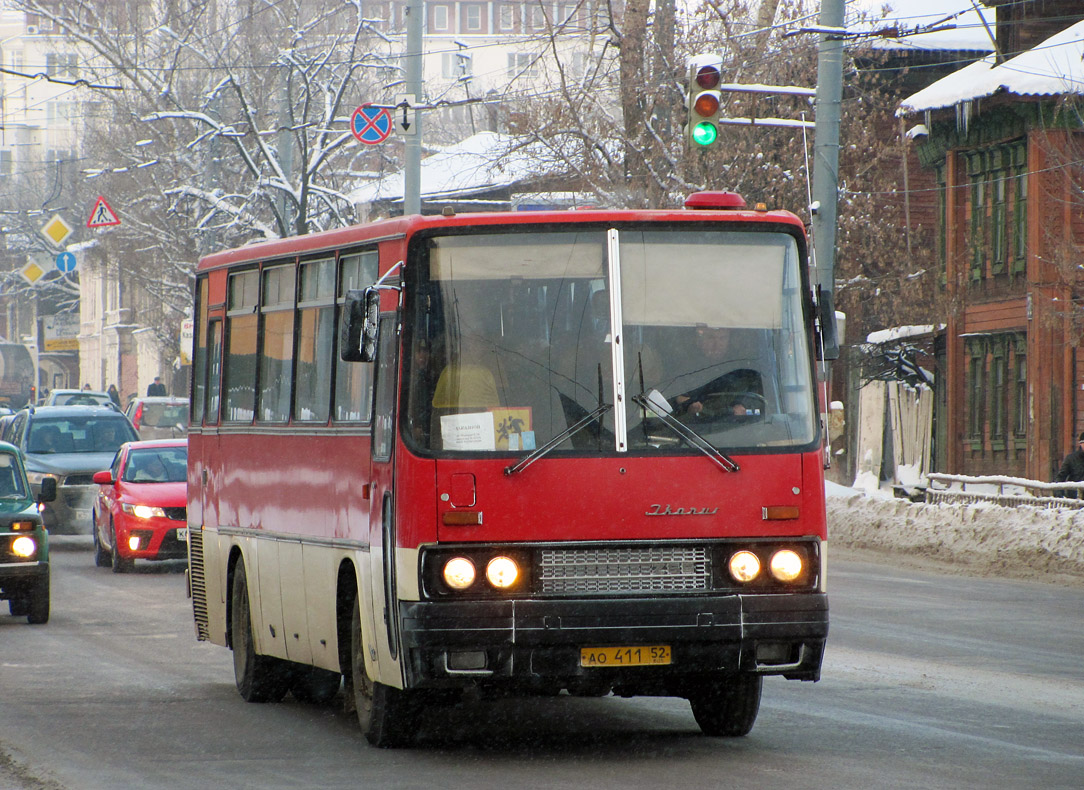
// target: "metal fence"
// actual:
[[1005, 491]]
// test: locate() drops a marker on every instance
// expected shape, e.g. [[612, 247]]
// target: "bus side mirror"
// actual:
[[828, 345], [47, 493], [360, 326]]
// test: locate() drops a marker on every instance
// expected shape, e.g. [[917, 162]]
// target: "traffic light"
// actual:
[[703, 99]]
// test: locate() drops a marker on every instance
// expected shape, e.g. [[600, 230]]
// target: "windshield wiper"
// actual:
[[527, 460], [726, 463]]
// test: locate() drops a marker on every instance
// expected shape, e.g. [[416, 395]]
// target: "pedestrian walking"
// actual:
[[1072, 468]]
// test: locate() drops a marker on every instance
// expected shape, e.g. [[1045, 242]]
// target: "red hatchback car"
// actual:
[[140, 512]]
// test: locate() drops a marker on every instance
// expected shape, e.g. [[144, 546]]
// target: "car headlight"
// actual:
[[23, 546], [143, 511], [35, 478]]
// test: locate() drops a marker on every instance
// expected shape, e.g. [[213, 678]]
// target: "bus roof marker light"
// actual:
[[719, 201]]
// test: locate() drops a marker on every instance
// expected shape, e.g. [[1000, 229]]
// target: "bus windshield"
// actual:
[[515, 339]]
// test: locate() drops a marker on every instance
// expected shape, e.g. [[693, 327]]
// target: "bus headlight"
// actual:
[[459, 573], [23, 546], [502, 572], [744, 566], [786, 565]]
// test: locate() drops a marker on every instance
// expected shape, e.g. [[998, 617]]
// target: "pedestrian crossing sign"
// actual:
[[102, 215]]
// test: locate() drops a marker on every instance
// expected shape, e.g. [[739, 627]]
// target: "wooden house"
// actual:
[[1005, 139]]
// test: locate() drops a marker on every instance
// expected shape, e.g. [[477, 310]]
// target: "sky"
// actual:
[[969, 32]]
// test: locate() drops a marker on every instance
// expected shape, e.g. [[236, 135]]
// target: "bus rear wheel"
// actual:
[[386, 714], [728, 705], [259, 678]]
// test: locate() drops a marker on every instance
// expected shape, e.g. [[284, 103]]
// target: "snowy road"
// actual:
[[931, 680]]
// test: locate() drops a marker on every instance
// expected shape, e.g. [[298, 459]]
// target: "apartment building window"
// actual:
[[441, 19], [472, 18], [63, 65], [569, 14], [61, 113], [455, 65], [7, 162], [522, 64], [536, 16], [506, 17]]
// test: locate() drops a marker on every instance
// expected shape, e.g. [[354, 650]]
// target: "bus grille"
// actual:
[[648, 569], [198, 580]]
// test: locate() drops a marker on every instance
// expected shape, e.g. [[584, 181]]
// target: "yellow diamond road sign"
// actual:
[[32, 272], [56, 230]]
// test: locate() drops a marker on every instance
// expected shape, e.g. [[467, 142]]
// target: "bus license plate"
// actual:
[[639, 656]]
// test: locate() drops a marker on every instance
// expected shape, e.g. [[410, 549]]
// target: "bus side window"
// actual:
[[353, 380]]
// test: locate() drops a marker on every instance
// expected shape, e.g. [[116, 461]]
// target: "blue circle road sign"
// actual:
[[65, 261], [371, 125]]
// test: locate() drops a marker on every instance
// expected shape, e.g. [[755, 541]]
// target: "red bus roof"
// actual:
[[400, 227]]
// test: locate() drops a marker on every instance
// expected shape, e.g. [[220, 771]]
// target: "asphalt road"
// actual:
[[931, 680]]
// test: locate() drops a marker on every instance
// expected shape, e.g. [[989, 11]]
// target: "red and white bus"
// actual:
[[512, 452]]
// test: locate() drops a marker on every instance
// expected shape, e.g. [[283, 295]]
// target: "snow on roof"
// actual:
[[900, 333], [1053, 68], [969, 34], [482, 162]]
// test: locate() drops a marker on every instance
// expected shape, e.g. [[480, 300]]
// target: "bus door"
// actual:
[[385, 632]]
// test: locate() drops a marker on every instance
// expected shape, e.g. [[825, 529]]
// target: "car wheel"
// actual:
[[120, 564], [38, 603], [259, 678], [727, 705], [18, 607], [386, 714], [101, 556]]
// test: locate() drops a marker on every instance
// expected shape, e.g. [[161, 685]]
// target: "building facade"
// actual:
[[1005, 140]]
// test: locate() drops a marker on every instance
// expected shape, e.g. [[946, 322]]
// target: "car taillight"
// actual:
[[137, 416]]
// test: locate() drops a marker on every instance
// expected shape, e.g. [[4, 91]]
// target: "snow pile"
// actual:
[[1020, 541]]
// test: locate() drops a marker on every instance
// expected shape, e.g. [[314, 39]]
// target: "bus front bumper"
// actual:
[[447, 643]]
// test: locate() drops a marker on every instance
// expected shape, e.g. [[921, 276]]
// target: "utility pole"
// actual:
[[826, 142], [412, 172]]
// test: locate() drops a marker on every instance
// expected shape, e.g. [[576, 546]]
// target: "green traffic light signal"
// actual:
[[705, 133]]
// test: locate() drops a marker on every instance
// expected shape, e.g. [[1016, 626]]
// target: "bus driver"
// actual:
[[737, 390]]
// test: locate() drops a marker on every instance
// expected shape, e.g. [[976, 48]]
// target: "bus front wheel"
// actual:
[[386, 714], [259, 678], [727, 706]]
